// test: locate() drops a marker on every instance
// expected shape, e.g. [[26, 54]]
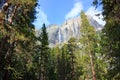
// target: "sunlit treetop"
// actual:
[[111, 8], [21, 1]]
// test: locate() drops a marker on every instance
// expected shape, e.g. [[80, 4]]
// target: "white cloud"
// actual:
[[41, 18], [92, 12], [75, 10]]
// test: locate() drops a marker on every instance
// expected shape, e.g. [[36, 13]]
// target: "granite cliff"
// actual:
[[70, 28]]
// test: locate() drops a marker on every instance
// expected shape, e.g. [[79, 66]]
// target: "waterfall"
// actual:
[[59, 36]]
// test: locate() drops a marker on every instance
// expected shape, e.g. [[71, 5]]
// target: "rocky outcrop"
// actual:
[[70, 28]]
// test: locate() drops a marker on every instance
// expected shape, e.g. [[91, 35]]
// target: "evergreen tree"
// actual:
[[66, 65], [100, 61], [87, 42], [43, 55], [72, 61], [16, 31], [62, 63], [111, 35]]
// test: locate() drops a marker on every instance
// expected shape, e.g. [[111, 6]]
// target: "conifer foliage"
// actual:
[[16, 31], [44, 54], [111, 36], [87, 42], [95, 55]]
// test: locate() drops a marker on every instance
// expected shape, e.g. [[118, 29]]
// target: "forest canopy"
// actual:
[[95, 55]]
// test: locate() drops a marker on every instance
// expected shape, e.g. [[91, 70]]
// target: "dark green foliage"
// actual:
[[44, 36], [71, 49], [62, 63], [23, 56], [111, 36], [67, 68], [16, 32], [44, 61], [87, 42], [44, 53]]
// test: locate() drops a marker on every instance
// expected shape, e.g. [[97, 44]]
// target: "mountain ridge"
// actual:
[[69, 28]]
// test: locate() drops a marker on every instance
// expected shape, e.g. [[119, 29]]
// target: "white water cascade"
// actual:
[[59, 36]]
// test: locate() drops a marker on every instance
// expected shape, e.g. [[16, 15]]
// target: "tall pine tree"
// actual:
[[87, 42], [44, 55], [16, 31], [111, 35]]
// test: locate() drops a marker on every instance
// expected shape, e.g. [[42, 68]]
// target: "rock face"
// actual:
[[70, 28]]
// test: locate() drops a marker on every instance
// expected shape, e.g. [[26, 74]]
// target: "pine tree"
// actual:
[[62, 64], [44, 55], [16, 31], [71, 52], [66, 65], [87, 42], [100, 61], [111, 35]]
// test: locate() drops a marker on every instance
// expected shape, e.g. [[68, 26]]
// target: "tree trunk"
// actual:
[[92, 66], [6, 75]]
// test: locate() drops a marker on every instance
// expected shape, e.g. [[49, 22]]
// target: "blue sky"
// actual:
[[57, 11]]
